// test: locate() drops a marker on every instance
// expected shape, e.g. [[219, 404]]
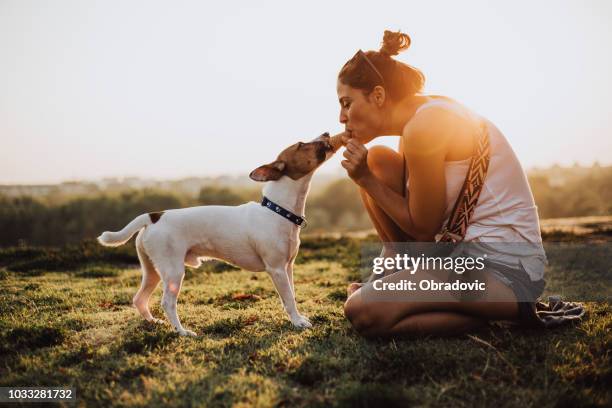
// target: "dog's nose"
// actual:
[[323, 141], [323, 138]]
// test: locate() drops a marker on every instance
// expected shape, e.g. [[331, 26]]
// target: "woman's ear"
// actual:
[[378, 95], [267, 172]]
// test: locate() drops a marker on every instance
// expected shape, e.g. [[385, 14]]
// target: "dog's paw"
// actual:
[[187, 333], [301, 322]]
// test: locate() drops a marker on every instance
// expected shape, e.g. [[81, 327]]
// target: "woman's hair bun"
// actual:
[[394, 42]]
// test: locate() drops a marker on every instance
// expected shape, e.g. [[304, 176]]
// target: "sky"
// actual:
[[171, 89]]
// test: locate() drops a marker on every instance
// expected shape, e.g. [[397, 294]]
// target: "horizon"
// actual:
[[142, 89], [334, 175]]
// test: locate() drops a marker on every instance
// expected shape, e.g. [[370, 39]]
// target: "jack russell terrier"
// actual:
[[253, 236]]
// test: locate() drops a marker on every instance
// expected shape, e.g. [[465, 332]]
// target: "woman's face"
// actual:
[[360, 114]]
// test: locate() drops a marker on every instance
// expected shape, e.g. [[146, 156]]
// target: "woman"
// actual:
[[381, 96]]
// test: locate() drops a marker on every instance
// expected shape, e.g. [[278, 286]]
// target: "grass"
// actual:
[[72, 324]]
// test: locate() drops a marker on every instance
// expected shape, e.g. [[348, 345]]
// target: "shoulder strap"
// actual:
[[457, 224]]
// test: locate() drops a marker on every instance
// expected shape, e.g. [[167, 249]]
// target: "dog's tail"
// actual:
[[114, 239]]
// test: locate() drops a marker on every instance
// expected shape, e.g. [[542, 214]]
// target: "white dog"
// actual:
[[252, 236]]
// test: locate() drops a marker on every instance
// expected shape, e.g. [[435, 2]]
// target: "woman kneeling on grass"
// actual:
[[438, 137]]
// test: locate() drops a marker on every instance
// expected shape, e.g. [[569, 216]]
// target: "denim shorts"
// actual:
[[526, 291]]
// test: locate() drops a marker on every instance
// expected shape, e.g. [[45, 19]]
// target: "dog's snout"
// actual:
[[323, 145]]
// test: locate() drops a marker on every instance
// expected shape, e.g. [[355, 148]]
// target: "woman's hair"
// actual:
[[371, 68]]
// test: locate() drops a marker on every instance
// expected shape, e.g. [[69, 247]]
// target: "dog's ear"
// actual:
[[267, 172]]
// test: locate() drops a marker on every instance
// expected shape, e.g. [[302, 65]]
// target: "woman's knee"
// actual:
[[381, 157], [387, 165]]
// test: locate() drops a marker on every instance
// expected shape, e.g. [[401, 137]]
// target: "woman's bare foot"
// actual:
[[352, 288], [387, 252]]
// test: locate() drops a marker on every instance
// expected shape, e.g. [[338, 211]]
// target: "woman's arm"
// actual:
[[424, 142]]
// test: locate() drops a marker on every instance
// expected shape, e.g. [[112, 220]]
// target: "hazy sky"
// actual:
[[168, 89]]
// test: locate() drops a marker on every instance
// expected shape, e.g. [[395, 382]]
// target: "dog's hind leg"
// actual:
[[173, 279], [150, 279]]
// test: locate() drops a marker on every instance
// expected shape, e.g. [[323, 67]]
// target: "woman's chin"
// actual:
[[365, 139], [360, 137]]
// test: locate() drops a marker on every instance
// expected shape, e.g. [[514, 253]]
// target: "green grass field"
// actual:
[[67, 322]]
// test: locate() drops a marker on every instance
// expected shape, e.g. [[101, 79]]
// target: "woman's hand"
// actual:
[[356, 163]]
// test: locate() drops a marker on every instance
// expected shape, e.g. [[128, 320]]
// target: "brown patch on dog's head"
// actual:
[[155, 216], [296, 161]]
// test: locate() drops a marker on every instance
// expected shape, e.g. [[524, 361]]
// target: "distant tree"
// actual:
[[219, 196], [342, 202], [19, 218]]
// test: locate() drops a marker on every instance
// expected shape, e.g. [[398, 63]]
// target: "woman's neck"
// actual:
[[401, 114]]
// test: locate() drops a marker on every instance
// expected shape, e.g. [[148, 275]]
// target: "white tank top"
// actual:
[[506, 211]]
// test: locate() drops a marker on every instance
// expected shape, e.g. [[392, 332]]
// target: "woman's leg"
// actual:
[[419, 315], [436, 324], [378, 314], [388, 167]]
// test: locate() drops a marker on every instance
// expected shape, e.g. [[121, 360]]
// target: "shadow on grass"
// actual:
[[20, 339], [147, 337]]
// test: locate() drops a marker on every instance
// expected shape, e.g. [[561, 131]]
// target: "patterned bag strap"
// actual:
[[458, 222]]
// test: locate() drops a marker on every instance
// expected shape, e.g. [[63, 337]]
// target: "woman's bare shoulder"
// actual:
[[421, 129], [438, 108], [434, 126]]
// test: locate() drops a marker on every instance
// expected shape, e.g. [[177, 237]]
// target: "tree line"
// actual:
[[558, 192]]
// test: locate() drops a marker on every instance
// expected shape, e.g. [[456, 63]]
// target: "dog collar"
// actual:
[[286, 214]]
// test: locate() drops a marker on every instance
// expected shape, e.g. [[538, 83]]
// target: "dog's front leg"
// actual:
[[290, 275], [283, 287]]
